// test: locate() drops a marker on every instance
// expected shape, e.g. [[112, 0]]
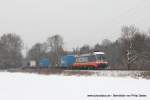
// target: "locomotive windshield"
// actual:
[[88, 58], [101, 57]]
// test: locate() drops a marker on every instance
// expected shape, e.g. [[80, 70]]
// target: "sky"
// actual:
[[79, 22]]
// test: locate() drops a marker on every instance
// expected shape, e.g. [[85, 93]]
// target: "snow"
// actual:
[[20, 86]]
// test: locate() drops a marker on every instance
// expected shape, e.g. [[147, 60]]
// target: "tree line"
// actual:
[[129, 51]]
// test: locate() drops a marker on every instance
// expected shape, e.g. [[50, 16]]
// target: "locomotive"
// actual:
[[95, 60]]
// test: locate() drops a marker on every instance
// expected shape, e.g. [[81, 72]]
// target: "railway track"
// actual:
[[69, 72]]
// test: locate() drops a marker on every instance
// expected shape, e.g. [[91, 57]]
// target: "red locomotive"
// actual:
[[95, 60]]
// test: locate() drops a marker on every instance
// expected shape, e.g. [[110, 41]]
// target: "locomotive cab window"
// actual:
[[92, 58], [101, 57]]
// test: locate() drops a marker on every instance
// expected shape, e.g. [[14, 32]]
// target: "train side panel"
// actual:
[[68, 60]]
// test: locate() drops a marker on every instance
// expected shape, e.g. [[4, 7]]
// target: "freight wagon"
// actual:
[[44, 63], [67, 61]]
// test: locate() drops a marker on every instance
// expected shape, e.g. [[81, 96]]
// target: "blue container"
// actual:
[[44, 63], [68, 60]]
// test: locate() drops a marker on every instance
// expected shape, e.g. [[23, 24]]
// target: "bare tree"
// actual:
[[135, 47], [130, 55], [37, 52], [10, 54], [97, 47], [106, 42], [85, 49], [55, 44], [141, 46]]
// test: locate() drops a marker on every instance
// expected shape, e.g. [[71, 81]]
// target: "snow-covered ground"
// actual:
[[19, 86]]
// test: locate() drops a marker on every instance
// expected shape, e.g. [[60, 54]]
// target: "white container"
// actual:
[[33, 63]]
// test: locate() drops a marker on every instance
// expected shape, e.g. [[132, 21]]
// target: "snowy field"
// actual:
[[19, 86]]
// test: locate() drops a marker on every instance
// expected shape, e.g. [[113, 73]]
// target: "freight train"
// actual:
[[95, 60]]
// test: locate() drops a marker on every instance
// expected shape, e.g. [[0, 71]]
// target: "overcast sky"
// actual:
[[78, 21]]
